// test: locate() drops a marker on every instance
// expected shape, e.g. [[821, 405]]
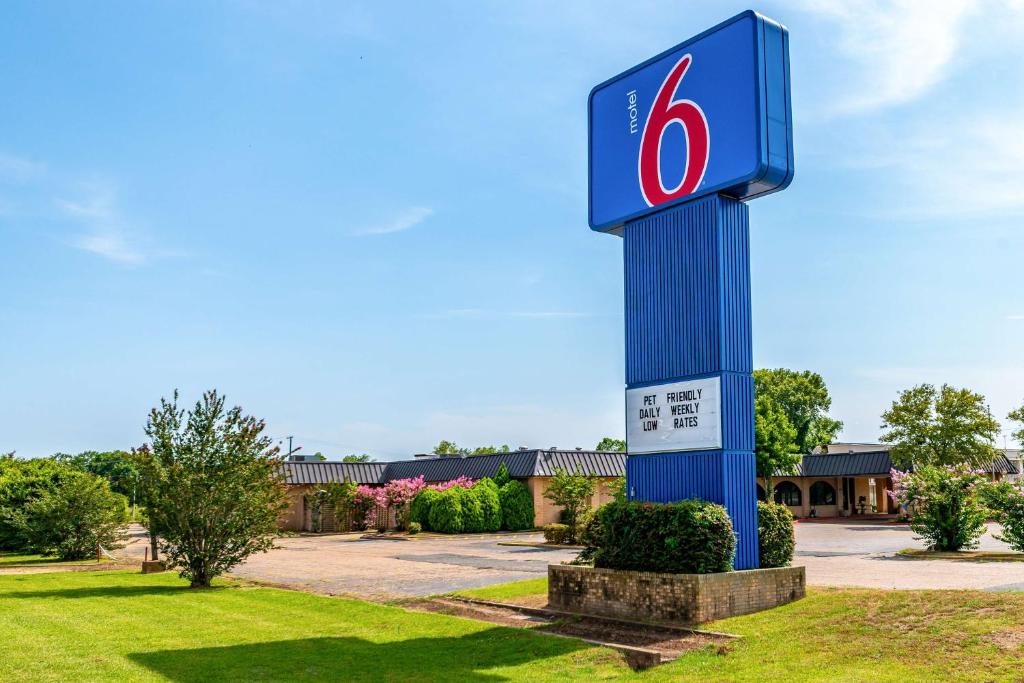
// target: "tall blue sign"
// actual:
[[677, 144]]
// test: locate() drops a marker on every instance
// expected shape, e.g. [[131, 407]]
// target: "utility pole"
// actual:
[[289, 446]]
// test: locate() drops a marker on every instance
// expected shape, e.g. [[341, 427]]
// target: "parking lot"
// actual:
[[400, 567], [835, 554]]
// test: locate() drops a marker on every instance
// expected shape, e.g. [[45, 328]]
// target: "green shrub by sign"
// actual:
[[688, 537], [776, 540]]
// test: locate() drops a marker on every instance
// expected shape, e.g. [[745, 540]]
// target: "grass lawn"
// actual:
[[516, 592], [125, 626], [27, 559], [964, 555]]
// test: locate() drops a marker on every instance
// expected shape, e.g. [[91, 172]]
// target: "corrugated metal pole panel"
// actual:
[[687, 311]]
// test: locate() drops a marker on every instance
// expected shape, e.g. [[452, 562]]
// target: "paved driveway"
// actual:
[[835, 554], [864, 554], [386, 568]]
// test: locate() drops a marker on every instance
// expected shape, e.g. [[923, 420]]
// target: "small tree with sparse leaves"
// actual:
[[573, 493], [216, 484]]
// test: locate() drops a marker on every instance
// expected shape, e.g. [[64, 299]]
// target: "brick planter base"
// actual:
[[675, 598]]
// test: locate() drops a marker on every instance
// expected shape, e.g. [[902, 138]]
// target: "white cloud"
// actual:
[[899, 49], [1015, 316], [962, 166], [409, 218], [105, 232]]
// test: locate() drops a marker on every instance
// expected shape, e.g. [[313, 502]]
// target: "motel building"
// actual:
[[845, 480], [852, 479], [533, 467]]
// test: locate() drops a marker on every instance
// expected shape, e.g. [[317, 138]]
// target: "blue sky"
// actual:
[[367, 223]]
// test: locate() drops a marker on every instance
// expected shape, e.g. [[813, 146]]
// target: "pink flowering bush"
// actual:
[[463, 481], [375, 504], [944, 504], [399, 494]]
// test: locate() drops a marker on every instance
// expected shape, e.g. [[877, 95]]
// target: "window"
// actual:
[[822, 493], [761, 495], [787, 493]]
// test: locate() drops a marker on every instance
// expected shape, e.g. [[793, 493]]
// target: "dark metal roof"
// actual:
[[521, 465], [538, 463], [871, 463], [845, 465], [598, 463], [328, 472]]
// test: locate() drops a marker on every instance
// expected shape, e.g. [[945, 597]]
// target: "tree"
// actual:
[[363, 457], [114, 466], [502, 476], [947, 426], [445, 447], [216, 484], [1018, 416], [572, 492], [804, 398], [616, 488], [946, 504], [74, 518], [775, 446], [610, 444], [490, 450], [21, 482]]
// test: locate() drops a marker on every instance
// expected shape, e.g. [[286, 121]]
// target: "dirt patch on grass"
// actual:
[[1011, 639], [670, 643]]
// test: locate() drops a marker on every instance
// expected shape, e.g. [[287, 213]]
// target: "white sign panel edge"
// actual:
[[651, 408]]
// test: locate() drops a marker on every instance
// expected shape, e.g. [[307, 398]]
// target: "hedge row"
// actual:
[[484, 507]]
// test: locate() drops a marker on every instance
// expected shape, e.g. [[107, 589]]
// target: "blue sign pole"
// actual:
[[676, 145], [687, 291]]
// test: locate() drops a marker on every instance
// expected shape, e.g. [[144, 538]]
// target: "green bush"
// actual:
[[73, 518], [556, 533], [419, 509], [472, 510], [446, 512], [487, 492], [516, 506], [688, 537], [502, 477], [946, 509], [775, 537], [414, 528], [1006, 501], [21, 482]]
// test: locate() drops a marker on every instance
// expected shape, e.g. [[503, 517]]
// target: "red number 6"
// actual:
[[664, 112]]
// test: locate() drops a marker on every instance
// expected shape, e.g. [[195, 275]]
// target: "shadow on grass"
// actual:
[[455, 658], [101, 592]]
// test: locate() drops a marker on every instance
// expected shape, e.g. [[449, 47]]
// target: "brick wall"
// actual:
[[546, 512], [679, 598]]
